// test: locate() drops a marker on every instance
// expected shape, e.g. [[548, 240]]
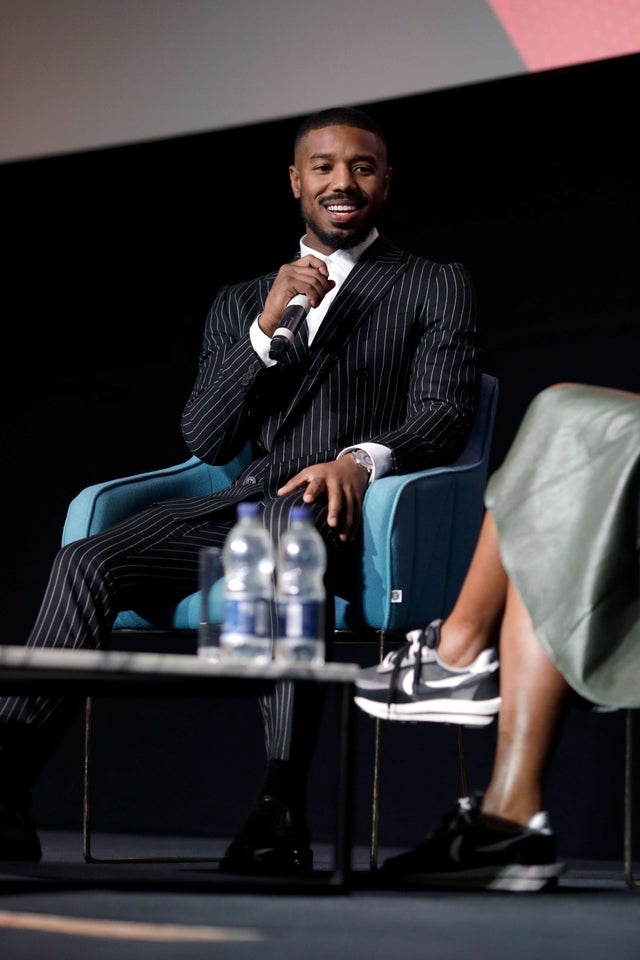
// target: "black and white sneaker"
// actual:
[[420, 647], [413, 684], [464, 852]]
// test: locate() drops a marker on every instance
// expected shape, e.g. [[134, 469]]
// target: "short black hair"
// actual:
[[342, 117]]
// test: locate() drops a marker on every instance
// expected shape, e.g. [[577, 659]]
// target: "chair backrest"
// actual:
[[467, 520], [478, 446]]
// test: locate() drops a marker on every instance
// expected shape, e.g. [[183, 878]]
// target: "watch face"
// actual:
[[364, 459]]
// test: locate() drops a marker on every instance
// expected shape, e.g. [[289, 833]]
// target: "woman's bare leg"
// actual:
[[533, 696], [473, 623], [532, 690]]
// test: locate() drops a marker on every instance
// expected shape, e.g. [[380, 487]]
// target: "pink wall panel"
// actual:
[[557, 33]]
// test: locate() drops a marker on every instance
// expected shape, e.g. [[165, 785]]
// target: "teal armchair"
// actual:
[[418, 536]]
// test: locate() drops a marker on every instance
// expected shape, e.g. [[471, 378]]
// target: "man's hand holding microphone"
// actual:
[[298, 287]]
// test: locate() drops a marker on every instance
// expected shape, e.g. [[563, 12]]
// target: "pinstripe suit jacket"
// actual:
[[396, 360]]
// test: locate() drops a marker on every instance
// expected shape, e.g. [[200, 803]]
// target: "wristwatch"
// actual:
[[364, 459]]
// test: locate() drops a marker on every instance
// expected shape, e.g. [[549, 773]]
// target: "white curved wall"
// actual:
[[78, 74]]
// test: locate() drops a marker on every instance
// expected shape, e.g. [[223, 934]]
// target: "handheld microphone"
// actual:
[[292, 319]]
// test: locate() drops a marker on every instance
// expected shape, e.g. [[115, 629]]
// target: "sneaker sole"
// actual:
[[515, 878], [478, 713]]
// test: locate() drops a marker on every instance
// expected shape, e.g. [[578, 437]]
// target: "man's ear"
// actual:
[[294, 178]]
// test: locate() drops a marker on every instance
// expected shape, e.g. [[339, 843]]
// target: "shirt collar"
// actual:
[[345, 257]]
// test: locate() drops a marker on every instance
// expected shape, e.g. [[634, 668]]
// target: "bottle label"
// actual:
[[249, 618], [302, 619]]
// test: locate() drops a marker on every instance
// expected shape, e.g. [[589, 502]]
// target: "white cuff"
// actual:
[[380, 455]]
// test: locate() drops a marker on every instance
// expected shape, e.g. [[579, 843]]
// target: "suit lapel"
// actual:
[[369, 280], [366, 284]]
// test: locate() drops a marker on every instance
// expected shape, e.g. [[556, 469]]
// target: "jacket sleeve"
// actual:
[[217, 416], [445, 371]]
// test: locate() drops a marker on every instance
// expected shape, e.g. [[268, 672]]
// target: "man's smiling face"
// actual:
[[341, 178]]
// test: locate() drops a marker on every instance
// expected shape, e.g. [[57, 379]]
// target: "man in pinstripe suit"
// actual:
[[381, 378]]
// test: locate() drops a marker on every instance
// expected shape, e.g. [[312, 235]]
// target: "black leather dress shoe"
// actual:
[[273, 841], [18, 837]]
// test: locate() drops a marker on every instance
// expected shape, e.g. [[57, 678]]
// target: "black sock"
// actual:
[[283, 781]]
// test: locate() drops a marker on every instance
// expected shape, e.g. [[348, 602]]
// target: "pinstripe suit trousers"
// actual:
[[147, 557]]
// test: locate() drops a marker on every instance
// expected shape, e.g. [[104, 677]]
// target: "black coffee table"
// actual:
[[114, 673]]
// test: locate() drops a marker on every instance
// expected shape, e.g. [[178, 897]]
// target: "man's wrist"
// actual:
[[364, 459], [379, 454]]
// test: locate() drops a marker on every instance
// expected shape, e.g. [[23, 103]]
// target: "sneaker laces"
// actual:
[[469, 809], [428, 638], [464, 813]]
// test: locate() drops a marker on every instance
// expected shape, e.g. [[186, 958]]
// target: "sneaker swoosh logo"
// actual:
[[446, 684], [499, 844], [448, 681], [407, 683], [454, 849]]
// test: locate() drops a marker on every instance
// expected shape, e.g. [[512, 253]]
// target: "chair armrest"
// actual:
[[419, 533], [102, 505]]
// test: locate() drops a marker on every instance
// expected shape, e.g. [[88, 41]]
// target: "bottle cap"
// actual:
[[301, 512], [249, 508]]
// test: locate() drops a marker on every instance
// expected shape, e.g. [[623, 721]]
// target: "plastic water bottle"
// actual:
[[249, 607], [301, 596]]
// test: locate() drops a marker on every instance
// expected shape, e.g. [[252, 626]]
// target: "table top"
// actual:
[[31, 666]]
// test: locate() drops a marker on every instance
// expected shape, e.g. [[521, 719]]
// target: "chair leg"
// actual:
[[628, 803], [462, 767], [375, 797], [375, 789], [86, 808], [86, 797]]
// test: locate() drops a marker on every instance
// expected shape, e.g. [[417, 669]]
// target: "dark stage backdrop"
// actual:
[[113, 258]]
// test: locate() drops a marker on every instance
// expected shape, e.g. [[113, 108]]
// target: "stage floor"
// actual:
[[66, 908]]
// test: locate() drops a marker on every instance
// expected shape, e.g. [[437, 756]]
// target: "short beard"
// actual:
[[341, 240]]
